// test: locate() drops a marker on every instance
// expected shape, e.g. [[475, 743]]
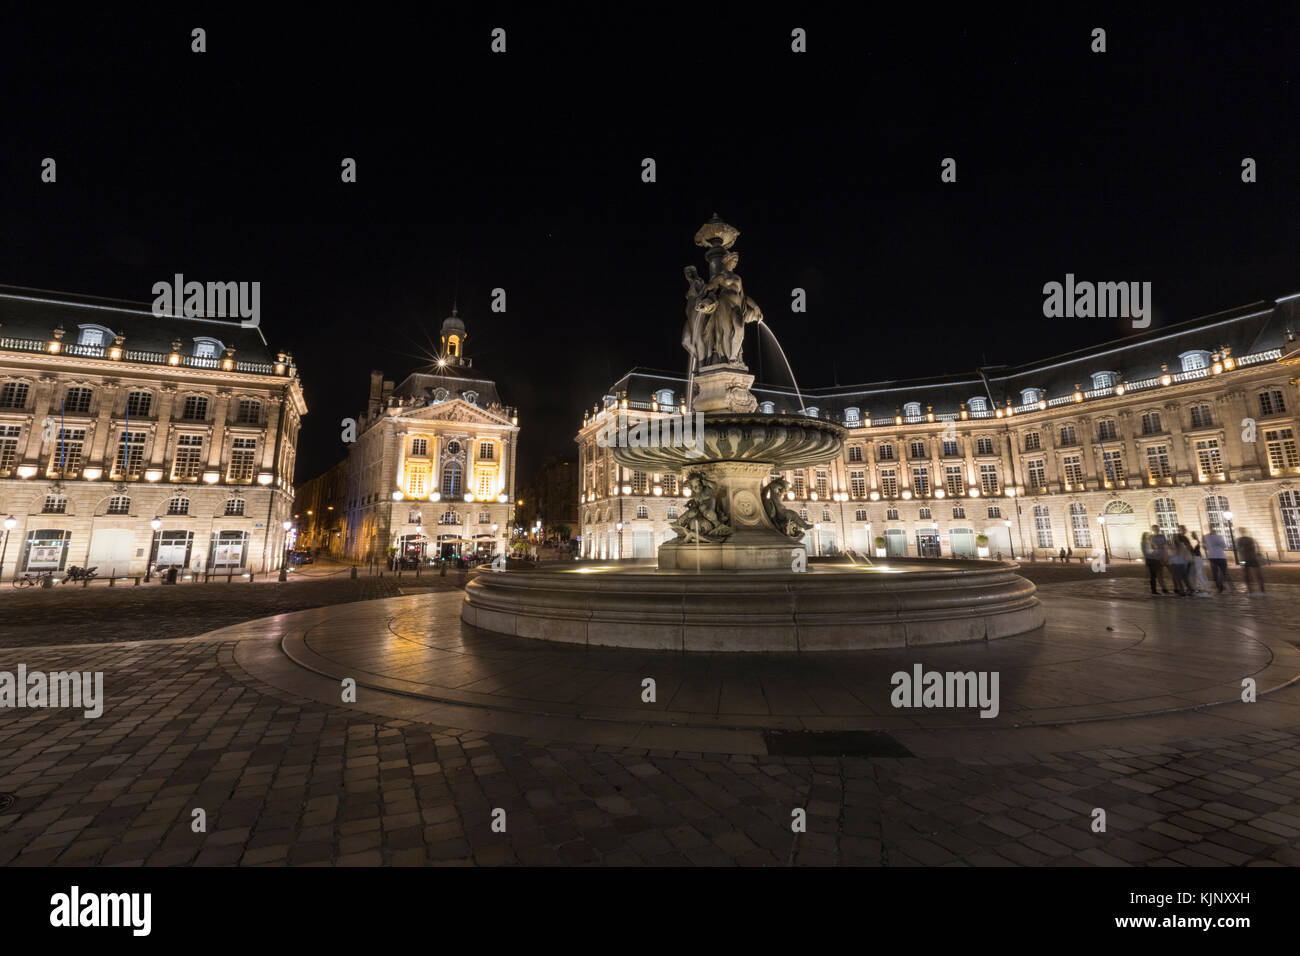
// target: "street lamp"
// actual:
[[10, 522], [1105, 539], [284, 561], [1010, 543], [618, 526], [817, 533], [1227, 516]]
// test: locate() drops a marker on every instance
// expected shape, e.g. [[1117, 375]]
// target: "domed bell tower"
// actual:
[[453, 340]]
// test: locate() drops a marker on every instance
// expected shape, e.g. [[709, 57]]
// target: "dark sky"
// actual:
[[524, 168]]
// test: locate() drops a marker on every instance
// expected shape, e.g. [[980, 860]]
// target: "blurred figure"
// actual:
[[1250, 560], [1216, 553], [1154, 545]]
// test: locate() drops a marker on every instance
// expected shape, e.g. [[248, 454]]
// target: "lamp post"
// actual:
[[155, 523], [1020, 527], [1227, 516], [817, 534], [1011, 544], [284, 560], [10, 522], [618, 526], [841, 497], [1105, 539]]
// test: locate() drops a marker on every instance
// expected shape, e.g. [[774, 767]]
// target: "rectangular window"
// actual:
[[1281, 450], [921, 481], [1201, 417], [486, 451], [1032, 441], [55, 505], [1151, 423], [420, 446], [891, 514], [1073, 471], [860, 514], [669, 483], [1113, 464], [918, 449], [1271, 402], [798, 484], [195, 408], [77, 401], [888, 482], [13, 395], [1037, 473], [65, 458], [1067, 435], [485, 517], [950, 449], [243, 459], [1106, 431], [9, 446], [954, 482], [1079, 525], [130, 455], [119, 505], [1208, 458], [885, 453], [1043, 526], [485, 479], [638, 482], [178, 506], [995, 511], [234, 507], [924, 514], [959, 513], [858, 484], [250, 412], [989, 479], [1158, 462], [415, 482], [821, 483], [855, 453], [189, 457], [138, 404], [984, 446]]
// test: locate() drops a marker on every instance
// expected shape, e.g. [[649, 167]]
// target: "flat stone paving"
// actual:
[[288, 773]]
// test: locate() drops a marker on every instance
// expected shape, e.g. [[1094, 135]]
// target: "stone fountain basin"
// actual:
[[840, 607], [782, 440]]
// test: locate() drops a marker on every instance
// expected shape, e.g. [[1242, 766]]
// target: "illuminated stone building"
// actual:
[[1188, 424], [432, 470], [128, 439]]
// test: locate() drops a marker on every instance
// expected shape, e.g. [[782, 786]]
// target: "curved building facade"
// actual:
[[1193, 424]]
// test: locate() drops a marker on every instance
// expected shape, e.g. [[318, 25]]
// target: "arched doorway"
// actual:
[[1122, 531]]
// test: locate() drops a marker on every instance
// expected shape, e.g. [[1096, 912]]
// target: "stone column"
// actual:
[[162, 429], [108, 393], [218, 438], [42, 394]]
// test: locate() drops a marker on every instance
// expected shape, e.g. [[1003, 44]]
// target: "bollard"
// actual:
[[137, 580], [110, 581], [354, 572], [230, 575]]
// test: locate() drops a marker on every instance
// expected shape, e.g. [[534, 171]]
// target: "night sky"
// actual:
[[523, 171]]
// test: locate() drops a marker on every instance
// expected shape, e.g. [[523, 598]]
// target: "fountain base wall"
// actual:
[[922, 603]]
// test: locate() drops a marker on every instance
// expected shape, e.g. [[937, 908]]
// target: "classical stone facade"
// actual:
[[432, 470], [114, 420], [1181, 425]]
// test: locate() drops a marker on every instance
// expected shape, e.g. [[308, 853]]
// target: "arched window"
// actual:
[[1167, 515], [55, 505], [1194, 360], [1289, 503], [642, 512], [118, 505], [205, 347], [1103, 379], [852, 415], [767, 408], [978, 404], [812, 411], [94, 335], [234, 507], [451, 481], [664, 396], [470, 396], [1030, 396], [1079, 525], [180, 505], [912, 410], [1215, 506]]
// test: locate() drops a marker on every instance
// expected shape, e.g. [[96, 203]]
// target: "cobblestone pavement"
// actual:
[[102, 614], [286, 777]]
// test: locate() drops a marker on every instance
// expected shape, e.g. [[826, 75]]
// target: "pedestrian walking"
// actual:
[[1153, 545], [1179, 560], [1216, 553], [1250, 560], [1200, 583], [1061, 556]]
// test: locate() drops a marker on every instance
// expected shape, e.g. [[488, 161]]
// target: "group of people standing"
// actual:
[[1185, 558]]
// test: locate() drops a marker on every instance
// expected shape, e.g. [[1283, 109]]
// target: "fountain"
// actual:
[[736, 575]]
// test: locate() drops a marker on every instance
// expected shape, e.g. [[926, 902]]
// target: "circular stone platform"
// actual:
[[828, 608]]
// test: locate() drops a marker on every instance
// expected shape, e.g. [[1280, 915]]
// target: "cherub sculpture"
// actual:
[[705, 518], [785, 520]]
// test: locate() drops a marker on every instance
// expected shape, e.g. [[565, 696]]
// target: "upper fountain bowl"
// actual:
[[779, 440]]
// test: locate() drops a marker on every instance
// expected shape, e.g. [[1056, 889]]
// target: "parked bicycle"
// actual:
[[80, 574], [33, 579]]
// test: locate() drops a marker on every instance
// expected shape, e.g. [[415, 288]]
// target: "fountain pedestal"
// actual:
[[754, 544], [724, 388]]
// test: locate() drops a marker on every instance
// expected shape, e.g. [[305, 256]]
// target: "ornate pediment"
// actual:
[[455, 411]]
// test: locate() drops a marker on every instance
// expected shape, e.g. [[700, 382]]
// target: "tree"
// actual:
[[563, 531]]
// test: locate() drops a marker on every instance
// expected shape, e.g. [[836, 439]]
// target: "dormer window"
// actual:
[[207, 348], [94, 335], [852, 415], [1030, 396], [664, 396], [1194, 360], [912, 410], [471, 397], [978, 404], [1103, 379], [767, 408], [812, 411], [440, 394]]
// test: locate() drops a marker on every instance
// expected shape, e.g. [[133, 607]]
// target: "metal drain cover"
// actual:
[[849, 743], [7, 800]]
